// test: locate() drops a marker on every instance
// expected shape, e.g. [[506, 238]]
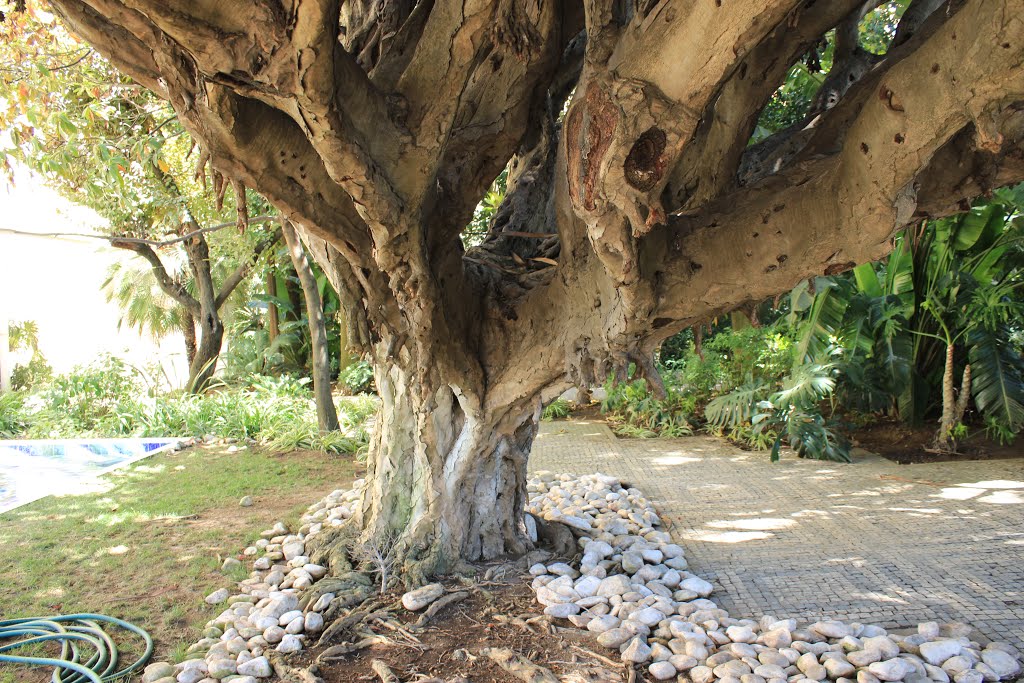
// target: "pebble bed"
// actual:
[[631, 589], [265, 613]]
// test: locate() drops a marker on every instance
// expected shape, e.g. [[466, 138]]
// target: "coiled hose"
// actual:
[[72, 631]]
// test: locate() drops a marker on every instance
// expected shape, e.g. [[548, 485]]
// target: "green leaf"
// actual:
[[824, 321], [997, 385], [867, 280]]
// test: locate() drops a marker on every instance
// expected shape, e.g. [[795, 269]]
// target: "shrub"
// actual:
[[357, 378], [634, 411], [106, 399], [13, 419], [556, 409]]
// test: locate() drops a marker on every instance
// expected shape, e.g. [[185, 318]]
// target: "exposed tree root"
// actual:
[[528, 625], [348, 623], [384, 671], [601, 658], [337, 652], [437, 606], [592, 675], [519, 666], [292, 674]]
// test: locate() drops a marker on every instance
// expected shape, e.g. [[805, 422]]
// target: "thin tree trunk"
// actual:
[[211, 329], [345, 357], [943, 440], [188, 329], [965, 395], [326, 415], [202, 367], [273, 324]]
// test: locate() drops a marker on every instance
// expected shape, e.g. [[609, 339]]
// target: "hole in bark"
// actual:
[[765, 217], [645, 164], [695, 266], [771, 268], [743, 70], [1006, 46], [757, 234], [661, 322], [778, 207], [898, 138], [935, 68], [864, 147], [781, 258]]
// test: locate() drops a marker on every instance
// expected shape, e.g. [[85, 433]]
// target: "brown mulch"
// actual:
[[451, 646], [908, 445]]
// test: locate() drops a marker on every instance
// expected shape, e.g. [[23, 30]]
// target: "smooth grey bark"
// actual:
[[377, 126], [326, 414]]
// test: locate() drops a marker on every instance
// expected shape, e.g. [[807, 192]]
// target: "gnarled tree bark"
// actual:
[[377, 127]]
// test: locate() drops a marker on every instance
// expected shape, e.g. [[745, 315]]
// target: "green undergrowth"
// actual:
[[110, 398]]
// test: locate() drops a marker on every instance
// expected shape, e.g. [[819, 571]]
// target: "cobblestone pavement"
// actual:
[[873, 541]]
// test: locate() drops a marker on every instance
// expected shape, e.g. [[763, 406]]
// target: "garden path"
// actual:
[[874, 541]]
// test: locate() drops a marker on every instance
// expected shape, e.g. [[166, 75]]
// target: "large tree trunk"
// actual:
[[639, 213], [446, 477], [326, 414]]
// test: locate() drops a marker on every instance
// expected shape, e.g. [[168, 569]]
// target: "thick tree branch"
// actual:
[[170, 286], [728, 123], [831, 212]]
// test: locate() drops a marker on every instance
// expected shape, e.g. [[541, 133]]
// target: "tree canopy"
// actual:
[[635, 204]]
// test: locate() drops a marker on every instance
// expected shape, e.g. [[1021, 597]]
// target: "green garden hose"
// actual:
[[72, 631]]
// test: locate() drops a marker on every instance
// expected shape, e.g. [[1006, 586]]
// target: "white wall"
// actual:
[[56, 282]]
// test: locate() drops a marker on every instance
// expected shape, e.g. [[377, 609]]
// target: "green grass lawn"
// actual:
[[149, 548]]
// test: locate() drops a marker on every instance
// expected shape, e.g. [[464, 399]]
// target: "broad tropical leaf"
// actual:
[[998, 374], [824, 320], [735, 408]]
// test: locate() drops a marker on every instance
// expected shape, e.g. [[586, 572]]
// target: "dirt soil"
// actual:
[[450, 647], [907, 445]]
